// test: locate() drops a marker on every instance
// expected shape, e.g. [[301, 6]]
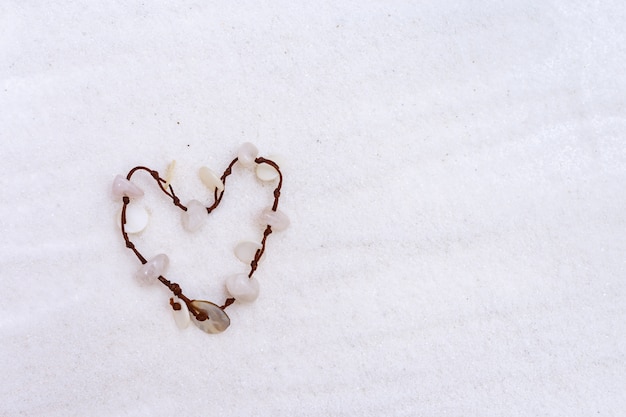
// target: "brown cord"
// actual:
[[169, 191]]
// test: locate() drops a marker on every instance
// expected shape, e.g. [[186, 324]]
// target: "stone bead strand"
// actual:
[[206, 315], [194, 217]]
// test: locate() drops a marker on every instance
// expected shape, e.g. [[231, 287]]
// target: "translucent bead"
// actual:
[[136, 218], [210, 179], [245, 250], [266, 172], [194, 217], [277, 219], [181, 317], [243, 288], [152, 269], [122, 187], [217, 321], [247, 154]]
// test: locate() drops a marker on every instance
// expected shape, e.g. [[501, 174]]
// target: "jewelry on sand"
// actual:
[[206, 315]]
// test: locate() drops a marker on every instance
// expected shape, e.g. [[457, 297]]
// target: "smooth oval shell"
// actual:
[[122, 187], [247, 154], [151, 270], [266, 172], [245, 250], [181, 317], [243, 288], [277, 219], [218, 320], [210, 179], [136, 219], [194, 217]]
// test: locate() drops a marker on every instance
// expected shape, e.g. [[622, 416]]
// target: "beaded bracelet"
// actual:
[[206, 315]]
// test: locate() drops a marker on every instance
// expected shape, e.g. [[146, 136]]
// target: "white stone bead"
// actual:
[[277, 219], [151, 270], [218, 320], [194, 217], [210, 179], [181, 317], [247, 154], [136, 218], [245, 250], [266, 172], [243, 288], [123, 187]]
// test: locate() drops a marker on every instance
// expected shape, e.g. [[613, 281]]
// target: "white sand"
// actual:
[[455, 178]]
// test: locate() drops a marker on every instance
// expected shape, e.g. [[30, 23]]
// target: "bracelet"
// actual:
[[206, 315]]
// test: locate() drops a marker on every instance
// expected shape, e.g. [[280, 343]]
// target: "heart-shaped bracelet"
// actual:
[[242, 287]]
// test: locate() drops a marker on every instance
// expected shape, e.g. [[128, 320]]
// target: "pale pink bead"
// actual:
[[277, 219], [122, 187], [151, 270], [195, 216], [243, 288], [247, 154]]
